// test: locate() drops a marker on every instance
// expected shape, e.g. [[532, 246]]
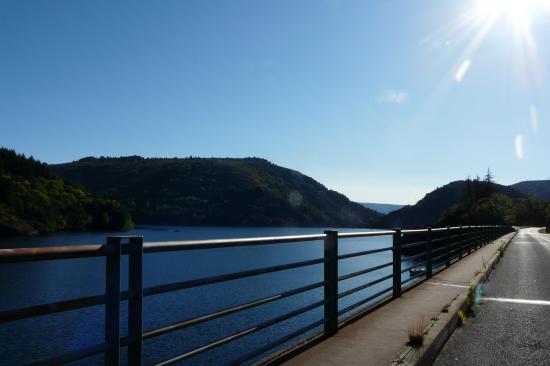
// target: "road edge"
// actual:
[[438, 332]]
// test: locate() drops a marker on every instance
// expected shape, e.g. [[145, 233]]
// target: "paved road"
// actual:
[[508, 327]]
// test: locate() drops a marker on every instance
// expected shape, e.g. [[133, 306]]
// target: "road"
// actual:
[[511, 325]]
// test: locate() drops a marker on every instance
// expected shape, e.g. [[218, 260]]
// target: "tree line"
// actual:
[[483, 205], [34, 200]]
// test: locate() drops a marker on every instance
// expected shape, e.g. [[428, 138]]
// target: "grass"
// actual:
[[461, 317], [416, 334], [471, 297], [446, 308], [501, 250]]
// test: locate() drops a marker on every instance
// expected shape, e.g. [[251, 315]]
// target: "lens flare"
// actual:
[[518, 144], [462, 70], [534, 118]]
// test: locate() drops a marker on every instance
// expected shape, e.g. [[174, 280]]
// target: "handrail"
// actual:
[[448, 245]]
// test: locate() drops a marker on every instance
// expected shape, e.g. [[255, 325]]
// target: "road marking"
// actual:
[[516, 301], [446, 284]]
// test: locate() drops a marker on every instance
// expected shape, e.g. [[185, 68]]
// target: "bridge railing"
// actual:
[[421, 253]]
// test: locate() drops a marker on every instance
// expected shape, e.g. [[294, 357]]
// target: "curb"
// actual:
[[438, 332]]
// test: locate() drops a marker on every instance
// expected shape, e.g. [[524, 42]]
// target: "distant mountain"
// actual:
[[535, 188], [383, 208], [431, 208], [34, 200], [201, 191]]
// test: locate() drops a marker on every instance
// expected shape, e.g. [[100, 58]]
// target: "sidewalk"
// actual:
[[380, 337]]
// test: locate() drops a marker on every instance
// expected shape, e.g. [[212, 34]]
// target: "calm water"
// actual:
[[25, 284]]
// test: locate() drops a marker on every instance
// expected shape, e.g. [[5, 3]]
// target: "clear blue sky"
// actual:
[[380, 100]]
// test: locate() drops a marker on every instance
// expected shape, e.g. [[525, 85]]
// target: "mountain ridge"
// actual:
[[215, 191], [535, 188], [433, 205], [383, 208]]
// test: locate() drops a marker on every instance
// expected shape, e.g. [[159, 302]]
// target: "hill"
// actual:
[[34, 200], [383, 208], [535, 188], [215, 191], [430, 209]]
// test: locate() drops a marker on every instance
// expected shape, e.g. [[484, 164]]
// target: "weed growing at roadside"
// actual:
[[461, 317], [416, 334]]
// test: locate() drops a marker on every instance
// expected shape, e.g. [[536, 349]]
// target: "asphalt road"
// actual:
[[511, 325]]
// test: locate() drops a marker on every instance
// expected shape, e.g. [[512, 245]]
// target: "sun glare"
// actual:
[[517, 11]]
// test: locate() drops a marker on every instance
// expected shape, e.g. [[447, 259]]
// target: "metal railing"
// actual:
[[437, 248]]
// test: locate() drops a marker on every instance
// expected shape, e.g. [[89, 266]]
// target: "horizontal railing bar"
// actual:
[[46, 253], [365, 234], [73, 356], [155, 247], [439, 249], [83, 251], [366, 252], [248, 356], [364, 271], [442, 256], [45, 309], [154, 290], [362, 287], [414, 231], [231, 310], [415, 244], [241, 334], [437, 240], [416, 256], [364, 301]]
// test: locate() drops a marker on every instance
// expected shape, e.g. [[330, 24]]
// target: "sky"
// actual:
[[380, 100]]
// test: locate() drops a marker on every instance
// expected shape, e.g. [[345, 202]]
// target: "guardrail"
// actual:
[[437, 248]]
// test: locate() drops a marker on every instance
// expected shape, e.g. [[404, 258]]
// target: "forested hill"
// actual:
[[535, 188], [430, 209], [34, 200], [212, 191]]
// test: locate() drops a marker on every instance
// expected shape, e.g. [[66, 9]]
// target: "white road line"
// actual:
[[446, 284], [516, 301]]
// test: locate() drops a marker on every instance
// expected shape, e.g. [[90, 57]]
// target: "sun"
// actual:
[[518, 11]]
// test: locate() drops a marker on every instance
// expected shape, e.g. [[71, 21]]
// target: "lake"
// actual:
[[26, 284]]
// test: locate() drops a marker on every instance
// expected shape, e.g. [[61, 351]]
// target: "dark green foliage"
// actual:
[[199, 191], [430, 209], [495, 209], [472, 202], [33, 200], [532, 212], [482, 206]]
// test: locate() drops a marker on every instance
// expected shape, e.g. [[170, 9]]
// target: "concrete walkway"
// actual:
[[380, 337], [511, 325]]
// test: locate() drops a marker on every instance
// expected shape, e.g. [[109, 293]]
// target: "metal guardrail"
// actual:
[[438, 248]]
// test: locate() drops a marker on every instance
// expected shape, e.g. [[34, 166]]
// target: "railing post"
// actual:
[[135, 302], [448, 242], [112, 305], [429, 261], [461, 246], [331, 283], [396, 248], [471, 247]]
